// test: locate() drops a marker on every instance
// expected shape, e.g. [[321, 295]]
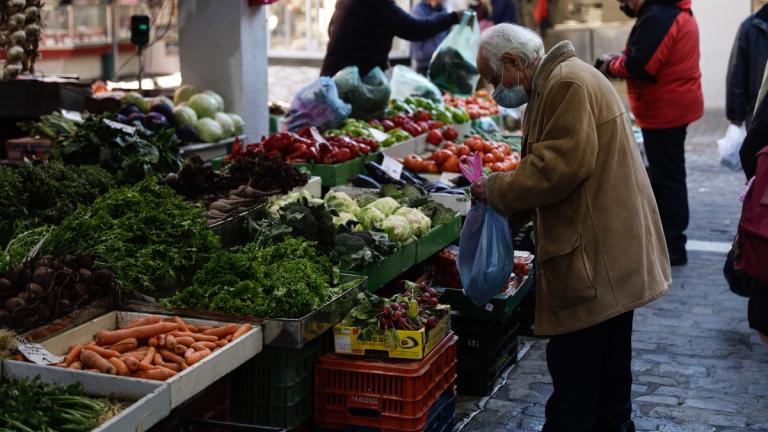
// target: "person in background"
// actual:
[[361, 33], [745, 69], [421, 51], [504, 11], [584, 181], [661, 66]]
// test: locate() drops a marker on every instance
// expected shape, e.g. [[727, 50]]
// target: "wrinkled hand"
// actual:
[[477, 190], [603, 64]]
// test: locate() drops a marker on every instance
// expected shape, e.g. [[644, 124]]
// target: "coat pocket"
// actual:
[[567, 276]]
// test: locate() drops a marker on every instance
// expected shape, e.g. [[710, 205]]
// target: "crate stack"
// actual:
[[367, 395]]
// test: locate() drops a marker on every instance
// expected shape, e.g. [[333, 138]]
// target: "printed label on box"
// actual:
[[36, 353], [392, 167], [343, 344]]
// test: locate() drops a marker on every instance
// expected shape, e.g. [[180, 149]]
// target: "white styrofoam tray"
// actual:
[[186, 383], [151, 400]]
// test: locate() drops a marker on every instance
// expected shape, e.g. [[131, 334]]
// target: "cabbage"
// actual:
[[209, 130], [420, 223], [185, 115], [387, 205], [203, 104], [277, 202], [343, 218], [238, 122], [162, 100], [226, 124], [183, 94], [398, 229], [341, 202], [216, 98], [134, 98], [370, 217]]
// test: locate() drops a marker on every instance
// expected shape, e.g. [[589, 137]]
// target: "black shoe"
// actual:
[[678, 259]]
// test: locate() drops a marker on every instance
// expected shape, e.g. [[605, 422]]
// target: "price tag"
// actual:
[[378, 135], [123, 127], [36, 353], [446, 177], [392, 167], [343, 344], [72, 115]]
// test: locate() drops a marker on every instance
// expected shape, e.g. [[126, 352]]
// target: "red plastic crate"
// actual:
[[388, 395]]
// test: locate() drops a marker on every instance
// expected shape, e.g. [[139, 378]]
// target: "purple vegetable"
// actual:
[[187, 134], [121, 118], [129, 109], [136, 117], [155, 120], [163, 109]]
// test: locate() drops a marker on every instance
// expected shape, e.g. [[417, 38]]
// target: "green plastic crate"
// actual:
[[276, 387], [438, 238], [338, 174], [392, 266]]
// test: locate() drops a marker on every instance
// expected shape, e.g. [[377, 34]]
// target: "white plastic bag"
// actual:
[[729, 146]]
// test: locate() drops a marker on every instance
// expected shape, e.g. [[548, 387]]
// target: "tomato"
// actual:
[[505, 150], [451, 147], [441, 156], [498, 156], [488, 158], [430, 166], [434, 137], [474, 144], [450, 133], [515, 156], [451, 165], [488, 148], [412, 163], [463, 150], [497, 167]]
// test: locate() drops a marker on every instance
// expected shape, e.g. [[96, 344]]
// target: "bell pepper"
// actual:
[[341, 155]]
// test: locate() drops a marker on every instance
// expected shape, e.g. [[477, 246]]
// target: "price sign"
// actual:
[[72, 115], [378, 135], [36, 353], [446, 177], [316, 135], [120, 126], [392, 167]]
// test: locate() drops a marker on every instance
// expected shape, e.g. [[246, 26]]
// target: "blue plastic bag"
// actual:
[[486, 253], [318, 104]]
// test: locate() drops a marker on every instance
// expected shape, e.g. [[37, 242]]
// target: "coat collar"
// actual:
[[558, 54]]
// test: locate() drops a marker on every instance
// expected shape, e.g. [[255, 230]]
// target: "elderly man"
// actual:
[[601, 246]]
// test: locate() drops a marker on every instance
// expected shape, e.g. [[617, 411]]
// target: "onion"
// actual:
[[33, 30], [18, 20], [18, 37], [32, 13], [16, 5], [15, 54]]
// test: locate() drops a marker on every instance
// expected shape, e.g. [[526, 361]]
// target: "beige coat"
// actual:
[[600, 246]]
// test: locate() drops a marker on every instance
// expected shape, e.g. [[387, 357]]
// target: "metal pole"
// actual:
[[141, 65], [115, 26]]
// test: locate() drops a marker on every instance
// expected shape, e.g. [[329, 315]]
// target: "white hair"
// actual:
[[510, 38]]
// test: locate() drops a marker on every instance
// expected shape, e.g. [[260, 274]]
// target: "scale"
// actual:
[[140, 25]]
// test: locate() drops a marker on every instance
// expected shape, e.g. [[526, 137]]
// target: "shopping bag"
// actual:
[[318, 105], [486, 254], [368, 95], [729, 146], [453, 67], [406, 82]]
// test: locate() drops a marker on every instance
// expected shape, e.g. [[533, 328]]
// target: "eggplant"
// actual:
[[377, 173], [413, 178], [364, 181]]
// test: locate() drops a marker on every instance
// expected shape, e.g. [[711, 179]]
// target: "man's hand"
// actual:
[[604, 62], [477, 190]]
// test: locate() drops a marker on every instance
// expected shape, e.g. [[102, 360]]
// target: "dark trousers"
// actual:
[[592, 378], [665, 149]]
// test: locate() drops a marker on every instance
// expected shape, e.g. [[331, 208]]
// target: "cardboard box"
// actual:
[[24, 148], [422, 342]]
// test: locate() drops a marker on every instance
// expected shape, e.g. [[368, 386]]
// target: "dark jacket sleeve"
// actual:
[[401, 24], [738, 78], [647, 49], [755, 140]]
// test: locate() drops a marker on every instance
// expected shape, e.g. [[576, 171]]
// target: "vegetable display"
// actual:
[[481, 104], [40, 291], [308, 146], [146, 233], [287, 280], [497, 157], [438, 111], [152, 348], [20, 30], [32, 406]]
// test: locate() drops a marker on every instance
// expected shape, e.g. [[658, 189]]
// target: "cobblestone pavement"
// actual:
[[697, 365], [285, 81]]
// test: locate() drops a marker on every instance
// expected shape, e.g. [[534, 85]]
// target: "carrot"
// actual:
[[73, 355], [141, 349], [171, 357], [228, 338], [137, 355], [159, 360], [196, 336], [139, 332], [60, 365], [170, 342], [199, 346], [180, 349], [95, 361], [189, 352], [153, 342], [146, 367], [176, 367], [182, 325], [193, 328], [132, 363], [241, 331], [101, 351], [197, 356], [203, 328], [122, 369], [159, 374], [93, 370], [221, 343], [18, 357], [184, 365], [125, 345], [149, 357], [76, 365], [221, 332], [184, 340], [154, 319], [161, 340]]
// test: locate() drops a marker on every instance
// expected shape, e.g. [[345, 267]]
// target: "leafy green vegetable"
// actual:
[[287, 280], [355, 251], [386, 205], [341, 202], [50, 126], [398, 229], [438, 213], [371, 218], [420, 223], [146, 233], [19, 246], [13, 196]]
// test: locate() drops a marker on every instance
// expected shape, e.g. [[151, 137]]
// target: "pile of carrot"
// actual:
[[151, 348]]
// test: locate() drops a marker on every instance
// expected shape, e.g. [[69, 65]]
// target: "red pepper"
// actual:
[[324, 148], [299, 147], [341, 155], [399, 119], [297, 161], [305, 132], [275, 154], [312, 154], [301, 154], [328, 160]]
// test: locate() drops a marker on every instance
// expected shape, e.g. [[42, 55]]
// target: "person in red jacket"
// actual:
[[661, 66]]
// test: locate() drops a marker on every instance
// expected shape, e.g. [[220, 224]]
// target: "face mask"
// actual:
[[628, 11], [510, 97]]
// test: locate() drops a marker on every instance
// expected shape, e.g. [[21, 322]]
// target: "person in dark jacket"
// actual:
[[661, 66], [421, 51], [745, 69], [361, 33], [504, 11]]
